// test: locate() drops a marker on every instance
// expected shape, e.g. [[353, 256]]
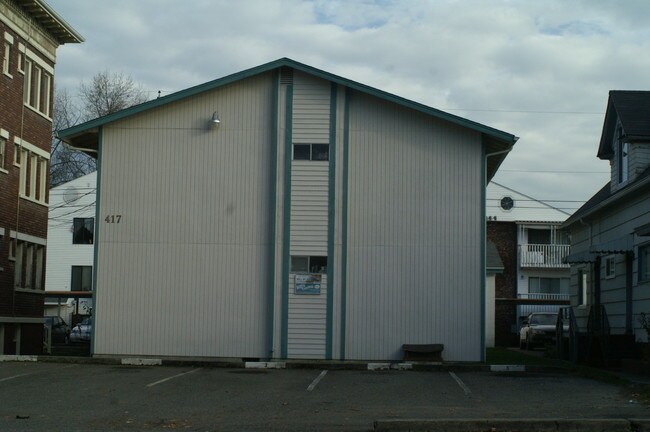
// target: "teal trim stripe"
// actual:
[[285, 62], [344, 222], [286, 235], [274, 200], [483, 245], [97, 237], [331, 222]]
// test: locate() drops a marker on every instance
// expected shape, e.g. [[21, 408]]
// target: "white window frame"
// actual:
[[583, 284], [34, 67], [34, 160], [3, 154]]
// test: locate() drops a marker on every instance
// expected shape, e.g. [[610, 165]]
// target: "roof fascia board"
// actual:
[[285, 62], [60, 21]]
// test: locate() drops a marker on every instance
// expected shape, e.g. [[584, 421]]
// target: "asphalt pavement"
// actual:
[[36, 396]]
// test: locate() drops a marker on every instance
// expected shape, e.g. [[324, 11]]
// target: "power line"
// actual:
[[524, 111], [553, 171]]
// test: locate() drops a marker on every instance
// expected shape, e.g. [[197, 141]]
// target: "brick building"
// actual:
[[31, 32]]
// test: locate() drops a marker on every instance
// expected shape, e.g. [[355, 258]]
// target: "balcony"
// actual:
[[538, 302], [549, 256]]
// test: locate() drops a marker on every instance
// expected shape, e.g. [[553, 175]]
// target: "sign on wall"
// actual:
[[307, 284]]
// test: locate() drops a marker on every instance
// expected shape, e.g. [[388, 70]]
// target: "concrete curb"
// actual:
[[293, 364], [514, 425]]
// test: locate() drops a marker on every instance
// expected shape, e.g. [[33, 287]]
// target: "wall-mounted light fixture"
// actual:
[[215, 119]]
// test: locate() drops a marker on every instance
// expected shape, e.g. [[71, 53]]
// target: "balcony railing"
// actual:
[[524, 309], [543, 255]]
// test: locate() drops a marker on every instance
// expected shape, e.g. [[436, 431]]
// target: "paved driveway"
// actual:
[[47, 396]]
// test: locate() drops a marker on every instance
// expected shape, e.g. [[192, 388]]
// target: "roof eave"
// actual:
[[51, 20], [507, 139]]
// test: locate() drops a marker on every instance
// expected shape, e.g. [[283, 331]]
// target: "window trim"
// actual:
[[309, 259], [641, 269], [311, 152], [81, 277], [83, 225], [610, 260], [583, 287]]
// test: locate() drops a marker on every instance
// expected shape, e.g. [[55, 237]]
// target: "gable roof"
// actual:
[[604, 198], [495, 140], [51, 21], [633, 110]]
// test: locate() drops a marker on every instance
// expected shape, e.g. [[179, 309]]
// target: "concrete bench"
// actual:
[[423, 352]]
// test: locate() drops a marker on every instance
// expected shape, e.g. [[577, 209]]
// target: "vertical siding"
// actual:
[[307, 322], [306, 336], [185, 271], [414, 233]]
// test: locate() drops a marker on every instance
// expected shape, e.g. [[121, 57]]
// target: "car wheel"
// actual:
[[521, 344]]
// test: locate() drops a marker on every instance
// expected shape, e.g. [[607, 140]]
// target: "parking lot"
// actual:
[[85, 397]]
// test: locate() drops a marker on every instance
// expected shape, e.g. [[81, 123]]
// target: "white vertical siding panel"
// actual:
[[307, 313], [193, 242], [414, 270]]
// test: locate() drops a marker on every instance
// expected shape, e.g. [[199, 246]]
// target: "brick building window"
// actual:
[[33, 171], [37, 79], [3, 153], [28, 264], [6, 57]]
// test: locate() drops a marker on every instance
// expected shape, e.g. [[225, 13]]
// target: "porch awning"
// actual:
[[580, 258], [617, 246]]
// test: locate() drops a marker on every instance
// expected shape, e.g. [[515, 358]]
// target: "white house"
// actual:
[[532, 248], [286, 212], [70, 248]]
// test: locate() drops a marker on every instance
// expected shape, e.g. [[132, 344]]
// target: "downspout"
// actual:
[[484, 245]]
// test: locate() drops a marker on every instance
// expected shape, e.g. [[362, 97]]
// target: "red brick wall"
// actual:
[[18, 214], [504, 236]]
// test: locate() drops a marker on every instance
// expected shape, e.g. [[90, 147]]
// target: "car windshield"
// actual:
[[545, 319]]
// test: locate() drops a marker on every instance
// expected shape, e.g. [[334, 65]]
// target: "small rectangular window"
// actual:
[[299, 264], [610, 267], [82, 277], [313, 152], [644, 263], [6, 58], [309, 264], [83, 230], [320, 152], [301, 152], [582, 288], [17, 155], [3, 152]]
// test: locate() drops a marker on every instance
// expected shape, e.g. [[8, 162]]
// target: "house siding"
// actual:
[[611, 224], [414, 234], [307, 322], [639, 159], [193, 244]]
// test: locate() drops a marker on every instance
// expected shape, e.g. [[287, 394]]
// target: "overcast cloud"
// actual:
[[540, 70]]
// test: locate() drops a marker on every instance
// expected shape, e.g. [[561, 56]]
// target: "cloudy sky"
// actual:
[[540, 70]]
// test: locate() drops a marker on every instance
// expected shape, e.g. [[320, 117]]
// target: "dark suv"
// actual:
[[60, 329]]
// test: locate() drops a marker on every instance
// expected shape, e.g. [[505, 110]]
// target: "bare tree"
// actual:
[[108, 93], [105, 94]]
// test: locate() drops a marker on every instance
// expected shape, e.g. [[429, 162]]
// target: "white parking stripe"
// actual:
[[316, 381], [172, 377], [460, 383], [33, 373]]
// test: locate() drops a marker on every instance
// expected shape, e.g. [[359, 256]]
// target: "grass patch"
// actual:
[[505, 356]]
